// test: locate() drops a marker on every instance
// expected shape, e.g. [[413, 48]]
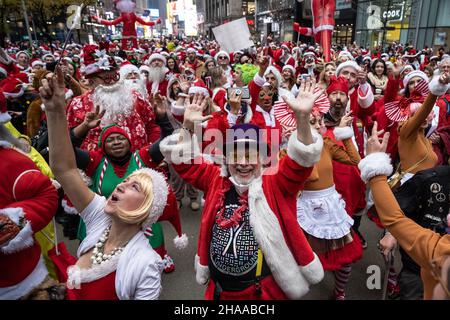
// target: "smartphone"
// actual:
[[244, 92], [305, 76]]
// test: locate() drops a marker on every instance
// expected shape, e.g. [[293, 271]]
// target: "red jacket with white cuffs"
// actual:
[[272, 209], [24, 193]]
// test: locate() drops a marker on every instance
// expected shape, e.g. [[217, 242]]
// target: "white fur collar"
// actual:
[[77, 275]]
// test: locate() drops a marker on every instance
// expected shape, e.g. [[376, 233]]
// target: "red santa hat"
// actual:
[[288, 66], [37, 62], [199, 89], [190, 50], [23, 52], [156, 56], [413, 74], [345, 53], [338, 84], [127, 68], [221, 53], [4, 116], [109, 130], [349, 63], [286, 45], [172, 215], [144, 68], [13, 88], [96, 60]]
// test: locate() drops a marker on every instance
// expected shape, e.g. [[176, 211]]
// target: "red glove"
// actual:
[[95, 18], [158, 21]]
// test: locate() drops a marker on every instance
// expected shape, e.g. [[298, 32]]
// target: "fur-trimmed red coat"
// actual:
[[272, 200], [140, 125], [24, 193]]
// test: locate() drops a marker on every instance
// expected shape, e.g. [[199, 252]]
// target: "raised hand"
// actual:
[[362, 76], [346, 120], [374, 144], [193, 113], [235, 102], [52, 92], [184, 84], [93, 118], [306, 97], [160, 105]]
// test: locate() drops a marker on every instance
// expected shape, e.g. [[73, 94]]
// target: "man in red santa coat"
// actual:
[[129, 19], [123, 105], [251, 208], [157, 76], [28, 202]]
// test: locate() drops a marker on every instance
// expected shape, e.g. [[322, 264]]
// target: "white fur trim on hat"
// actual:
[[305, 155], [275, 72], [24, 239], [37, 63], [345, 64], [144, 68], [412, 74], [437, 88], [288, 66], [221, 53], [156, 56], [191, 50], [127, 69], [375, 164], [24, 52], [407, 67], [346, 53], [160, 194], [194, 90], [342, 133]]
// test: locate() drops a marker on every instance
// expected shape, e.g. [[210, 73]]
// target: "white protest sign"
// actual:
[[233, 35]]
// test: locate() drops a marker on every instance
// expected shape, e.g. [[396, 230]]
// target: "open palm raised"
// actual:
[[193, 113], [305, 99]]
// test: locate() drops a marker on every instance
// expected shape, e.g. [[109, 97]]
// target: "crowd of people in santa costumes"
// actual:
[[282, 177]]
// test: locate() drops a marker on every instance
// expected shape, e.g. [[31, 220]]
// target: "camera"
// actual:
[[243, 92]]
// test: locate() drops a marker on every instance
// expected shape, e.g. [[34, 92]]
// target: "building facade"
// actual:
[[416, 22]]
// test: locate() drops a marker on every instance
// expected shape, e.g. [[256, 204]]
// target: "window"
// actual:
[[443, 16]]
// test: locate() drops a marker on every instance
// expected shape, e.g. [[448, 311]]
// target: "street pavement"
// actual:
[[181, 284]]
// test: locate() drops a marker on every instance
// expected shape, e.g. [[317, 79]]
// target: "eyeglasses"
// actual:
[[222, 58], [436, 271], [262, 94], [109, 78], [250, 156]]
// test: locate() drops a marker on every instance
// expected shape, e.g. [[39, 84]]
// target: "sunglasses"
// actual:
[[109, 77], [222, 58], [262, 94]]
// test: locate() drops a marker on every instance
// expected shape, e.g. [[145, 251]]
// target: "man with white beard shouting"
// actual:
[[124, 107], [157, 80]]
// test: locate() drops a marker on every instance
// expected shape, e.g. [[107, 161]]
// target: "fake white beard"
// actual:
[[157, 74], [125, 6], [116, 100], [138, 85]]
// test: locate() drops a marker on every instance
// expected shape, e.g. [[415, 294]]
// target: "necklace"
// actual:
[[236, 217], [98, 255]]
